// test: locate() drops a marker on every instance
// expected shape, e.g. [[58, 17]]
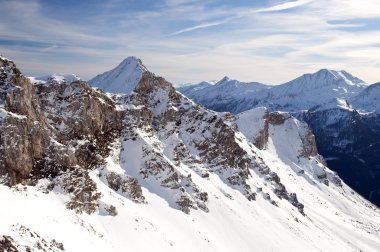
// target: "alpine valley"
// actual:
[[342, 111], [127, 163]]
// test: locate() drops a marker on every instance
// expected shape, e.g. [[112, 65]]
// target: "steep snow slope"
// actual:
[[124, 77], [177, 175]]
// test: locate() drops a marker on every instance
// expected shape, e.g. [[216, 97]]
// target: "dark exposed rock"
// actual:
[[127, 185], [78, 183], [111, 210], [24, 130], [7, 244], [276, 118], [294, 201]]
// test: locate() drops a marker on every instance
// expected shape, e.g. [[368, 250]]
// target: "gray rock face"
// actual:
[[24, 129]]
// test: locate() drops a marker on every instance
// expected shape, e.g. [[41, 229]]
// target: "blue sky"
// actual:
[[270, 41]]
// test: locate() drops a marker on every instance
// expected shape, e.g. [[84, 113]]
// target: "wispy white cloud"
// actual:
[[279, 7], [197, 27], [283, 6]]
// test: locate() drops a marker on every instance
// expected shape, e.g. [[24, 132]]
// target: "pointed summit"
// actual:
[[224, 79], [122, 79]]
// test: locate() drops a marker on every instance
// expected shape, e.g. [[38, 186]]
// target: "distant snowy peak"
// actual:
[[58, 78], [325, 78], [122, 79], [225, 80]]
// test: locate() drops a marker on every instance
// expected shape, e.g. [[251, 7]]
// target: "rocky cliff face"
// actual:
[[59, 131], [24, 129]]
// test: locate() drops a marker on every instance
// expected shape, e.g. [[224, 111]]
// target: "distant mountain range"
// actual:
[[342, 110]]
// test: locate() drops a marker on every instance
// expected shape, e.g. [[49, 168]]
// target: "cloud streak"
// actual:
[[279, 7]]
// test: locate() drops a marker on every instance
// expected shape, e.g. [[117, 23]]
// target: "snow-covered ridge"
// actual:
[[122, 79], [302, 93], [57, 78]]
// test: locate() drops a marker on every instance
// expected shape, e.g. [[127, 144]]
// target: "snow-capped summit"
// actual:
[[57, 78], [225, 80], [314, 89], [323, 78], [122, 79]]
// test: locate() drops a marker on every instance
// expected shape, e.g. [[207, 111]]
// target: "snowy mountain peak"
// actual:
[[225, 79], [131, 60], [57, 78], [123, 78], [327, 77]]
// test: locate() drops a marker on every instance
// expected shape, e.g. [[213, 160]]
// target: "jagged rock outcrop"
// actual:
[[59, 131], [24, 129]]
